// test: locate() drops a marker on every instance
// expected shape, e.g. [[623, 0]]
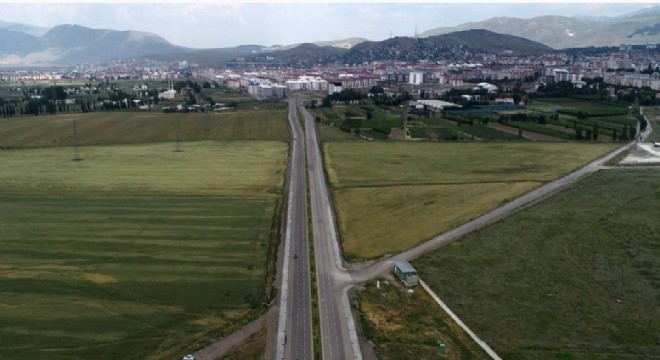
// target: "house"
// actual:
[[187, 91], [406, 273]]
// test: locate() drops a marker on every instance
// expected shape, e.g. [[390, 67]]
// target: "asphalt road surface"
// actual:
[[296, 342], [335, 321]]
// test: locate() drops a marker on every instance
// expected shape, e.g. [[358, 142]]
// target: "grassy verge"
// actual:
[[574, 277], [653, 115], [404, 325], [253, 348]]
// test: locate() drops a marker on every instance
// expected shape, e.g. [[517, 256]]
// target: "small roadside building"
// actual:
[[406, 273]]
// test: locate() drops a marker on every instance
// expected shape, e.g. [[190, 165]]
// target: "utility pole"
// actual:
[[75, 142]]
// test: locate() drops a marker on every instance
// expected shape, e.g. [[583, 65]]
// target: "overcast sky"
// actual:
[[212, 24]]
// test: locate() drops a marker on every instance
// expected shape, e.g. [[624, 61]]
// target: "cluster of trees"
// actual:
[[566, 88], [539, 119], [8, 110], [456, 96], [644, 96], [382, 99], [589, 134], [627, 133], [53, 99], [178, 85], [343, 96]]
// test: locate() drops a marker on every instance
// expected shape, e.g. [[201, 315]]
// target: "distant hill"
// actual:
[[24, 28], [560, 32], [22, 44], [449, 45], [403, 49], [344, 44], [74, 44], [81, 44], [302, 55], [19, 43], [209, 56]]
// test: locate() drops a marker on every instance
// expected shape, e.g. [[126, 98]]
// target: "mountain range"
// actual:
[[560, 32], [62, 45], [74, 44], [454, 46]]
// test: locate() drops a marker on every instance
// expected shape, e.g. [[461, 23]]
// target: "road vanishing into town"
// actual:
[[338, 336], [294, 334]]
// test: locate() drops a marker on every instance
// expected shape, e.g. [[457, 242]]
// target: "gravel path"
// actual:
[[222, 346]]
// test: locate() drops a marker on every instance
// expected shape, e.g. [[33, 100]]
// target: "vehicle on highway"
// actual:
[[295, 256]]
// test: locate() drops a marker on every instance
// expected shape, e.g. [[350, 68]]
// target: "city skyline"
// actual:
[[227, 24]]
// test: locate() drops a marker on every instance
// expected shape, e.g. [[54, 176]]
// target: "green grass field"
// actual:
[[220, 168], [409, 325], [574, 277], [359, 164], [126, 277], [439, 128], [330, 133], [136, 251], [390, 197], [142, 127], [653, 115], [575, 104]]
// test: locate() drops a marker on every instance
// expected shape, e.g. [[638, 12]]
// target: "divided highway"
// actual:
[[338, 336], [294, 334]]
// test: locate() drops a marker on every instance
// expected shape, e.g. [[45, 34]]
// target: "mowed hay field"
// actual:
[[391, 197], [234, 168], [574, 277], [136, 251], [104, 128]]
